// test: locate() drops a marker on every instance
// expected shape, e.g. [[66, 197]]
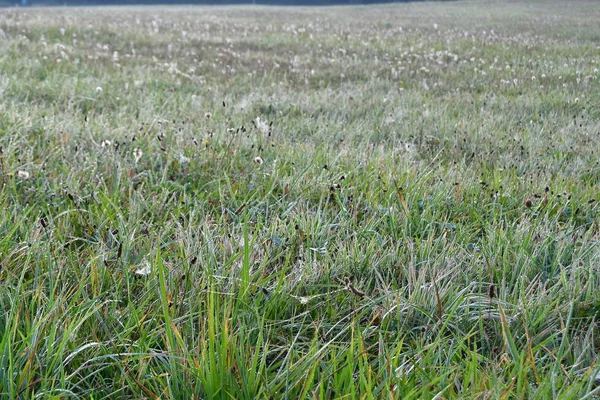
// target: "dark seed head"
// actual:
[[492, 291]]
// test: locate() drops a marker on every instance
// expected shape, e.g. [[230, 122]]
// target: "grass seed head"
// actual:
[[492, 291]]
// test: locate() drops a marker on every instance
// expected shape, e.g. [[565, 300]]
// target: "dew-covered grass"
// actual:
[[391, 202]]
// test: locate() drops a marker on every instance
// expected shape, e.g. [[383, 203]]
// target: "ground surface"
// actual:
[[394, 201]]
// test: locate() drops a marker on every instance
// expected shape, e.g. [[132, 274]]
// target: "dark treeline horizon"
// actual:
[[33, 3]]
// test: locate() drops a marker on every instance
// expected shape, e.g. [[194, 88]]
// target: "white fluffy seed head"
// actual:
[[137, 154]]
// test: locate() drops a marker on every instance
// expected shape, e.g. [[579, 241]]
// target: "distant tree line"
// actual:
[[27, 3]]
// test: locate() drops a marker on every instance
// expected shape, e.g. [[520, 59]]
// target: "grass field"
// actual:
[[391, 202]]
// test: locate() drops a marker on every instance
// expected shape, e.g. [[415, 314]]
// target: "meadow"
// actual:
[[379, 202]]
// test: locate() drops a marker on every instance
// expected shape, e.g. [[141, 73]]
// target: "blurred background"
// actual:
[[29, 3]]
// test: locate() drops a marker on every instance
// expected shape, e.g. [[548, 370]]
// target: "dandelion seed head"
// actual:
[[183, 159], [145, 270], [258, 160], [261, 125], [137, 154]]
